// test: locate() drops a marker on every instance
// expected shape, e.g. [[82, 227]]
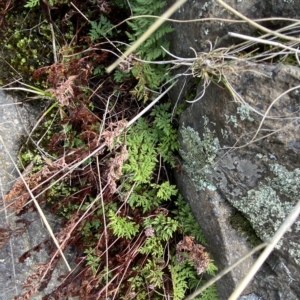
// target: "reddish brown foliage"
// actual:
[[196, 253]]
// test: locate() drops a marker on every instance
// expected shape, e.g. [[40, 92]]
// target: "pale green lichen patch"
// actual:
[[200, 155], [268, 206], [287, 183], [244, 111], [231, 119], [264, 209]]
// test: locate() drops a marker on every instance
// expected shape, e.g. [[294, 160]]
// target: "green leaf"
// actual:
[[100, 28], [188, 225], [32, 3], [166, 190], [121, 226]]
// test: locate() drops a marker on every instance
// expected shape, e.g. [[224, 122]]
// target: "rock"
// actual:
[[218, 182], [16, 119], [196, 34], [228, 165]]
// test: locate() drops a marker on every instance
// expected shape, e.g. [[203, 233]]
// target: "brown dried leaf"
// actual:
[[64, 92], [114, 130], [115, 168], [196, 253]]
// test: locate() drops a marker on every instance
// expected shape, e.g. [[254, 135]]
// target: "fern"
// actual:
[[209, 294], [148, 75], [181, 273], [167, 135], [145, 143], [153, 273], [92, 259], [119, 76], [184, 277], [187, 222], [138, 287], [142, 157], [100, 28], [32, 3], [163, 226], [212, 268], [144, 197], [151, 49], [152, 246], [121, 226], [165, 190]]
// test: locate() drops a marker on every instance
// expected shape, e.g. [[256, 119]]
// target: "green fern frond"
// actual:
[[150, 76], [187, 223], [212, 268], [163, 226], [100, 28], [32, 3], [121, 226], [152, 246], [144, 197], [209, 294], [181, 273], [165, 190]]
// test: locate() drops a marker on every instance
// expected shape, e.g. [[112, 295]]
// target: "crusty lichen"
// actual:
[[244, 112], [268, 206], [200, 154]]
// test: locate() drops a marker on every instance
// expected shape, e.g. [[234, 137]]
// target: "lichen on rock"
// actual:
[[201, 154], [267, 206]]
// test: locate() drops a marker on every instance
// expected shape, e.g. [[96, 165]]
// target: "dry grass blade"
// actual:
[[269, 108], [263, 41]]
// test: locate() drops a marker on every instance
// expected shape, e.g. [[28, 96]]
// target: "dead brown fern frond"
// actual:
[[32, 282], [64, 92], [115, 168], [196, 253]]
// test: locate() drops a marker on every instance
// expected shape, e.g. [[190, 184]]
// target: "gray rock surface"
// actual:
[[225, 168], [196, 34], [218, 179], [15, 119]]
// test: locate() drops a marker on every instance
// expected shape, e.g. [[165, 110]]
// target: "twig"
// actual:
[[80, 12], [53, 42]]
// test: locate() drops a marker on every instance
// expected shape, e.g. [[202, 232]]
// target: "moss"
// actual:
[[242, 225], [200, 154], [27, 44]]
